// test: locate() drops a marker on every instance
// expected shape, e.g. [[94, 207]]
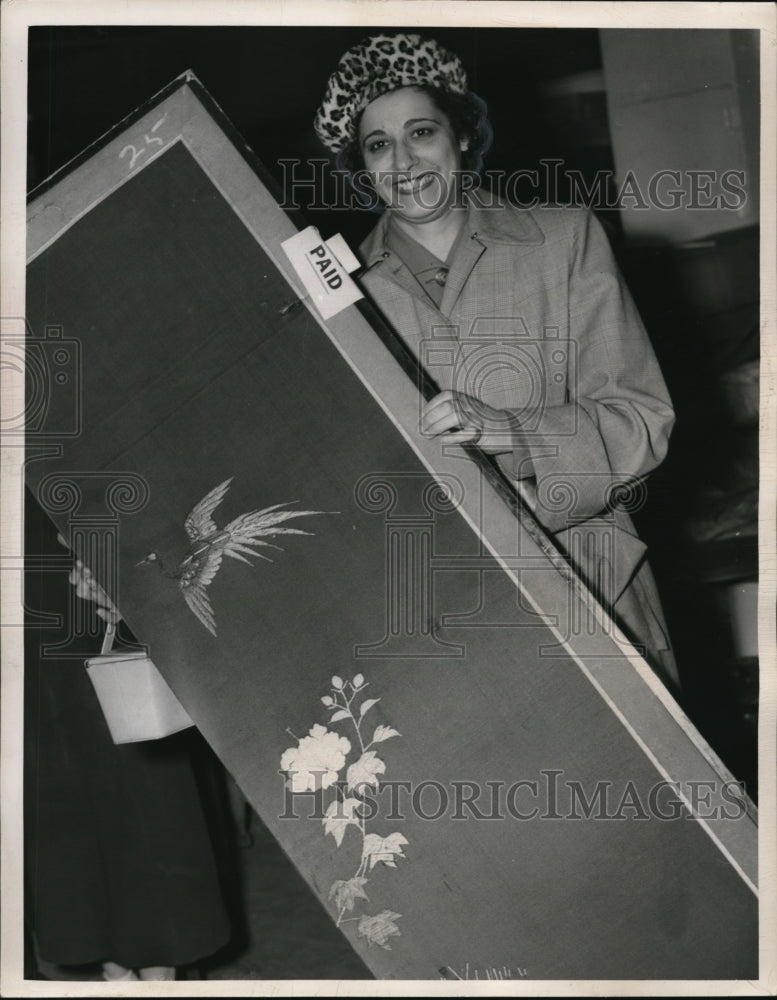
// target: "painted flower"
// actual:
[[316, 761]]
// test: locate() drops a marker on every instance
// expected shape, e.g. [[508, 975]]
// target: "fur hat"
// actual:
[[374, 67]]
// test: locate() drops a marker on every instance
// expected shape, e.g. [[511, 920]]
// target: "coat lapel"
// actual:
[[387, 265], [413, 318], [469, 252], [486, 228], [417, 318]]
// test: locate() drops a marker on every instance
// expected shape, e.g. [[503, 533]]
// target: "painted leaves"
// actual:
[[383, 849], [345, 893], [339, 815], [365, 771], [383, 733], [380, 928], [316, 763]]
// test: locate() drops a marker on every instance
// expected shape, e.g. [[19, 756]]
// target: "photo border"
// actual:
[[16, 19]]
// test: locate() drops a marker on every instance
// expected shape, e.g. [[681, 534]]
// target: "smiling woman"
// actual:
[[546, 365], [413, 157]]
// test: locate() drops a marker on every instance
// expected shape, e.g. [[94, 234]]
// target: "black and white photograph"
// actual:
[[388, 531]]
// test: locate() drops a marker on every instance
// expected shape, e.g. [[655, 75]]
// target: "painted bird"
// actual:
[[211, 543]]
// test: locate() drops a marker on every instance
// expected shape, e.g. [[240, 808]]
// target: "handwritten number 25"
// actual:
[[135, 153]]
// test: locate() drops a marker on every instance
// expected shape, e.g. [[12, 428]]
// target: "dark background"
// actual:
[[269, 82]]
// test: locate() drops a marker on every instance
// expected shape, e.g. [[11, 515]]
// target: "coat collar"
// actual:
[[500, 224]]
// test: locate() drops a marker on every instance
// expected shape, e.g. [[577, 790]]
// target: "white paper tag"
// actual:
[[323, 268], [342, 251]]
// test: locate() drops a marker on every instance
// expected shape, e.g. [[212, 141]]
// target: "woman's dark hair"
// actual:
[[468, 116]]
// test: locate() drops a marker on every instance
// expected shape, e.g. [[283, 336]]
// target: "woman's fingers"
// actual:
[[89, 589], [110, 616], [462, 436], [443, 422], [455, 418], [443, 413]]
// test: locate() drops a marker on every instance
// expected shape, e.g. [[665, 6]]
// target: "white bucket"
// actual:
[[136, 700]]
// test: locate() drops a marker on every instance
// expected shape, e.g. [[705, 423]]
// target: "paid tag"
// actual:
[[323, 267]]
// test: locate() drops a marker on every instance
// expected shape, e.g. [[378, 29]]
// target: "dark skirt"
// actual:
[[119, 863]]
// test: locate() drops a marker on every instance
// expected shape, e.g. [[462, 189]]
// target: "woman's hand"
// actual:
[[90, 590], [457, 418]]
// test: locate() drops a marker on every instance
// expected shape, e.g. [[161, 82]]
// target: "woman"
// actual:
[[120, 869], [552, 371]]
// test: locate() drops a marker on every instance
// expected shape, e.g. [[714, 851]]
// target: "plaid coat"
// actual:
[[535, 319]]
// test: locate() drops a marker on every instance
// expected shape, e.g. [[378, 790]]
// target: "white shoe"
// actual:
[[164, 972], [114, 973]]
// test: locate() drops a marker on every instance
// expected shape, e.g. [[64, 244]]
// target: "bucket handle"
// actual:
[[110, 635]]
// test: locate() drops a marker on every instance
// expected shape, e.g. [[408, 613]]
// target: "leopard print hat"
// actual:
[[374, 67]]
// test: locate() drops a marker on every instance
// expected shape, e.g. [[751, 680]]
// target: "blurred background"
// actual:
[[612, 107]]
